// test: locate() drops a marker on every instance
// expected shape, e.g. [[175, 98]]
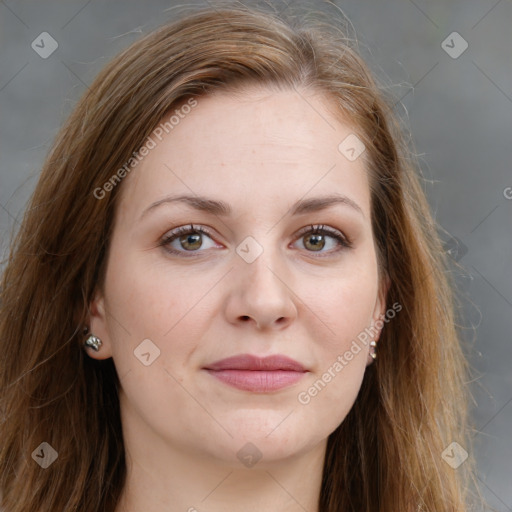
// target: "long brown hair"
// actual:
[[387, 453]]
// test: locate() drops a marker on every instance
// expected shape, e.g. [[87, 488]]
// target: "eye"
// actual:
[[189, 239], [316, 238], [186, 239]]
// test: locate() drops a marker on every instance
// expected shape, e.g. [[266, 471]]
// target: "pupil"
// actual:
[[316, 241], [192, 239]]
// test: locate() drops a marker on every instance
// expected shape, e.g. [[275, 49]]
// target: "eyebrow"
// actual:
[[222, 209]]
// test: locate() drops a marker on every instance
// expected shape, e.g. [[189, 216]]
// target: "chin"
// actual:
[[265, 435]]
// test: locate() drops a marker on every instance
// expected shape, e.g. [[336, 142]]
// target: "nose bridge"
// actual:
[[260, 281], [260, 261]]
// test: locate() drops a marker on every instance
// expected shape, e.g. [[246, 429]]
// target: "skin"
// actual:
[[260, 151]]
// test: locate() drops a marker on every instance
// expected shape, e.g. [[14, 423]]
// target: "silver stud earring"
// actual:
[[94, 342], [373, 349]]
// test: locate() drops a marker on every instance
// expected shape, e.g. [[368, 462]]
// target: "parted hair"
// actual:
[[386, 455]]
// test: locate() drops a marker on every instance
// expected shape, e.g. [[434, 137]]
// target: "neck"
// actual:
[[171, 479]]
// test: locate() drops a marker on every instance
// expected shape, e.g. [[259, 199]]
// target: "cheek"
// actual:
[[158, 314], [347, 313], [147, 301], [148, 298], [345, 304], [346, 308]]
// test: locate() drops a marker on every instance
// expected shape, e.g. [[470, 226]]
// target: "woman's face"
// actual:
[[252, 170]]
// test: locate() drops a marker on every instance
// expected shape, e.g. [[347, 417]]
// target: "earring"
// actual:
[[373, 349], [94, 342]]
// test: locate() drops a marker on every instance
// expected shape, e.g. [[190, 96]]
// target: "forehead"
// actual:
[[257, 143]]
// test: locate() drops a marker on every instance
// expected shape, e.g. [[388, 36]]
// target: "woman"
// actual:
[[228, 292]]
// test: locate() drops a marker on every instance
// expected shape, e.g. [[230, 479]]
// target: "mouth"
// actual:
[[257, 374]]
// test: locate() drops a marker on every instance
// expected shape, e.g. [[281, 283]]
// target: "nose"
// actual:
[[261, 294]]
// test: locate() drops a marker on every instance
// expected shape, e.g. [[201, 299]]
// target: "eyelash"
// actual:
[[319, 229]]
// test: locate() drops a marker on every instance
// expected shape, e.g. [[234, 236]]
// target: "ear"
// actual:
[[379, 312], [98, 325], [380, 304]]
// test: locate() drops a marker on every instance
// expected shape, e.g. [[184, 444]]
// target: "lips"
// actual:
[[257, 374]]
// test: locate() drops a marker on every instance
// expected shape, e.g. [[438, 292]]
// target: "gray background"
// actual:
[[459, 111]]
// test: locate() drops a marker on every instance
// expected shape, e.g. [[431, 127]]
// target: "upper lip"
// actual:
[[251, 362]]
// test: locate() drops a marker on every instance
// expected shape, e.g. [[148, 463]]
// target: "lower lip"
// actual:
[[257, 381]]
